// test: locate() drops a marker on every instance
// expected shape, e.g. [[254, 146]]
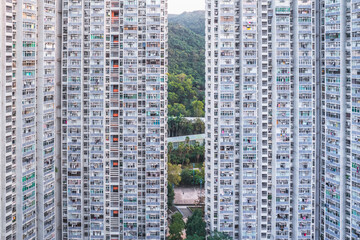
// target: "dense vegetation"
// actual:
[[195, 21], [170, 195], [186, 153], [191, 177], [179, 126], [186, 83], [195, 226], [185, 176], [186, 88], [181, 163], [176, 227], [184, 99]]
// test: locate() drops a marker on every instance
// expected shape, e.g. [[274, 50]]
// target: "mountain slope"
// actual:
[[195, 21], [187, 46]]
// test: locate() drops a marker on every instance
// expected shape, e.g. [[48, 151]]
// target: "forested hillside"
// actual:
[[195, 21], [187, 64]]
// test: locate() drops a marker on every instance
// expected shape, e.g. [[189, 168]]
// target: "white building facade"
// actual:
[[114, 124], [340, 162], [7, 157], [260, 118], [28, 175], [282, 119]]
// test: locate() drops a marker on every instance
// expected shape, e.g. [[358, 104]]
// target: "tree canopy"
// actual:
[[195, 237], [187, 52], [192, 177], [176, 227], [195, 224], [184, 99], [186, 82], [170, 195], [186, 153], [179, 126], [174, 172], [195, 21]]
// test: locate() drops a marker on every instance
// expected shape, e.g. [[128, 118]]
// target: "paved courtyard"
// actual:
[[187, 195]]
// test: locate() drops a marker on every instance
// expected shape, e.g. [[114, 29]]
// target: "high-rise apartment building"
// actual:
[[340, 155], [7, 175], [28, 119], [260, 118], [113, 108], [282, 119]]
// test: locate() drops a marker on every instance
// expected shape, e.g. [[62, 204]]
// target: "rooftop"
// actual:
[[196, 137]]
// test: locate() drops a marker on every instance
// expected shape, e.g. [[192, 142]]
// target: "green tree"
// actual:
[[192, 177], [176, 227], [202, 172], [173, 98], [186, 177], [174, 125], [199, 177], [198, 152], [170, 147], [187, 149], [186, 60], [181, 89], [174, 172], [187, 45], [181, 151], [184, 99], [186, 127], [170, 195], [196, 224], [179, 126], [195, 237], [197, 109], [177, 110], [195, 21], [199, 126], [218, 236]]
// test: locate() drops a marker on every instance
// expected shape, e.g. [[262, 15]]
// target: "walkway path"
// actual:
[[185, 211]]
